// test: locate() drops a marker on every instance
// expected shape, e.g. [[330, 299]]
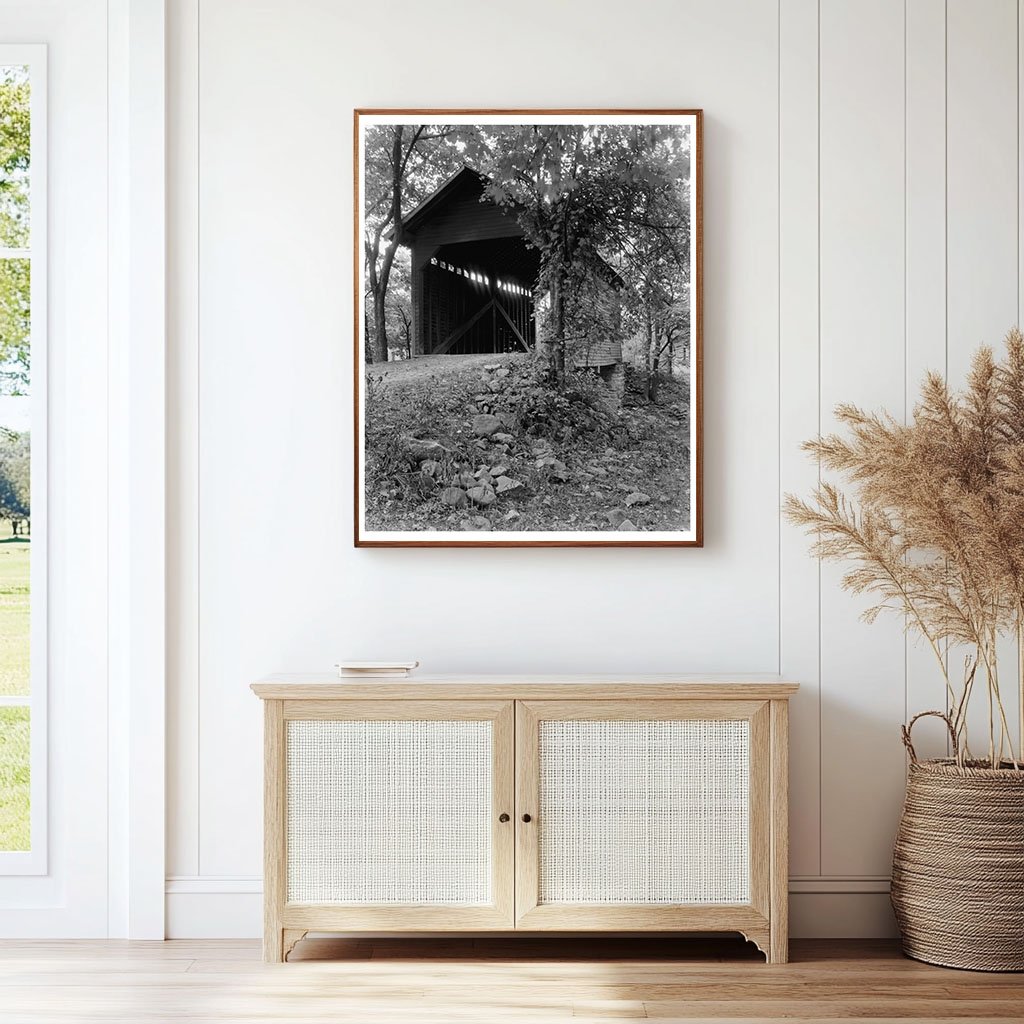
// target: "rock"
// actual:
[[506, 483], [541, 447], [502, 437], [421, 449], [555, 467], [498, 470], [454, 496], [482, 495], [626, 524], [511, 515], [495, 386], [490, 367], [615, 516], [486, 424], [507, 419], [465, 479], [430, 467], [424, 482], [475, 523], [504, 372], [637, 498]]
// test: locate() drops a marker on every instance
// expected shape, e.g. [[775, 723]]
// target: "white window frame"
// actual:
[[35, 860]]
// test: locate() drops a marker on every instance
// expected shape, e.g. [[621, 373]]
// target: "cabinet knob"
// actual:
[[527, 818], [503, 818]]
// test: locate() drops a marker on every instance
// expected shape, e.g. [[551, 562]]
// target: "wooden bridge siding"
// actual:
[[420, 259], [601, 352], [465, 219]]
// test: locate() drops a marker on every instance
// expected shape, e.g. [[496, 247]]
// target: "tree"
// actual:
[[594, 200], [398, 305], [402, 165], [15, 277], [15, 479]]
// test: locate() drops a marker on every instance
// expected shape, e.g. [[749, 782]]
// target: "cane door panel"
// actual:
[[393, 814], [642, 814]]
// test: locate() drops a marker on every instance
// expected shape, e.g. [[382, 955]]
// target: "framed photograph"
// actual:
[[527, 328]]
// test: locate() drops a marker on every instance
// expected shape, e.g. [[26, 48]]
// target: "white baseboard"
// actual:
[[216, 907]]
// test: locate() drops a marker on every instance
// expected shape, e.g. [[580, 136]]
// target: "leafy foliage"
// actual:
[[605, 206], [15, 276], [15, 138], [403, 164], [15, 482], [539, 409], [15, 325]]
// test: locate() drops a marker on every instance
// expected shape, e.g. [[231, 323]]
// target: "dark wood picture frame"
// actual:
[[495, 540]]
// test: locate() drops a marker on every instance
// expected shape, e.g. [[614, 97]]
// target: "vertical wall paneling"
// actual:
[[280, 585], [888, 243], [798, 409], [862, 361], [982, 217], [925, 281], [183, 539]]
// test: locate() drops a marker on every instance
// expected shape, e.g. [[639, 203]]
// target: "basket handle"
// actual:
[[905, 731]]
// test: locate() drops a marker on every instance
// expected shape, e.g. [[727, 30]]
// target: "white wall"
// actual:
[[861, 223]]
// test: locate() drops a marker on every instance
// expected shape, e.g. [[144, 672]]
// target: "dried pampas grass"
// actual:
[[936, 530]]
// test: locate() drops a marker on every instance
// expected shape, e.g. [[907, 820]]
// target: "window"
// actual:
[[22, 454]]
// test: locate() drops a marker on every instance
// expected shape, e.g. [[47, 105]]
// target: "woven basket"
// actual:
[[958, 864]]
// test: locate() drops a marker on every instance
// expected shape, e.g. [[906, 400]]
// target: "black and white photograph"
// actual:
[[527, 328]]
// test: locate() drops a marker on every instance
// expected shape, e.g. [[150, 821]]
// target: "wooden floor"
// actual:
[[487, 980]]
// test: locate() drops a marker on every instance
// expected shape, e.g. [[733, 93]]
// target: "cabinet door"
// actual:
[[392, 815], [642, 815]]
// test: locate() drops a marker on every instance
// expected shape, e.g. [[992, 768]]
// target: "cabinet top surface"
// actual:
[[321, 686]]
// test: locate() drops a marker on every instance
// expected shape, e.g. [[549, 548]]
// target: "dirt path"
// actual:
[[411, 371]]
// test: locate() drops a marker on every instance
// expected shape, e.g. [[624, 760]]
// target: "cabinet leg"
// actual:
[[778, 952], [760, 937], [279, 942], [289, 938], [273, 944]]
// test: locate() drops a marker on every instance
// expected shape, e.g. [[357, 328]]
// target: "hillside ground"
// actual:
[[482, 442]]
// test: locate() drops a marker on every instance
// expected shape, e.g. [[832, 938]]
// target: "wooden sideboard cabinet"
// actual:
[[525, 804]]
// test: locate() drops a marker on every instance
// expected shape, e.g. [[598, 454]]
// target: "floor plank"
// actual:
[[455, 980]]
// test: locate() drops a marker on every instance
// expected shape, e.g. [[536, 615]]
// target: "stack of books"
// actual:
[[376, 669]]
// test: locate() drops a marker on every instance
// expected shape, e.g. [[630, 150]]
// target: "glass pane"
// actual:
[[15, 603], [15, 329], [14, 779], [15, 124]]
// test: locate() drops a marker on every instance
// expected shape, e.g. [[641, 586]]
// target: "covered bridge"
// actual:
[[473, 276], [474, 280]]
